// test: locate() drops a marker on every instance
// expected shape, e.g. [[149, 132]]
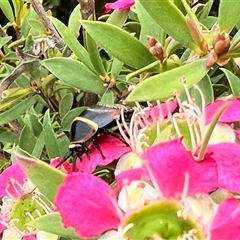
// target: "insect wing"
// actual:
[[82, 130], [101, 115]]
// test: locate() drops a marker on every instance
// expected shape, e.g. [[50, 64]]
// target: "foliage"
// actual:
[[131, 55]]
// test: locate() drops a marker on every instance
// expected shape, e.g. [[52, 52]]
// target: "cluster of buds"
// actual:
[[221, 45]]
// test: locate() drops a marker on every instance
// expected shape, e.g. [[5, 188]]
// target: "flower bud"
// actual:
[[221, 43], [155, 47], [211, 59], [195, 31]]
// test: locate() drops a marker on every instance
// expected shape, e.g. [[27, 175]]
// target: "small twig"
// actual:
[[7, 81], [2, 31], [38, 8], [87, 10], [18, 70]]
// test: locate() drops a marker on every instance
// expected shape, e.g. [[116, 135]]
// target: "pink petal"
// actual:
[[227, 157], [230, 114], [112, 148], [170, 161], [128, 176], [13, 172], [31, 237], [226, 223], [163, 110], [2, 227], [120, 4], [84, 203]]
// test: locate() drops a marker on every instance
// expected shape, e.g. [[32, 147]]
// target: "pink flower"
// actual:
[[111, 147], [9, 178], [16, 190], [92, 206], [191, 123], [120, 4], [175, 195], [169, 163], [226, 156], [230, 114], [226, 221]]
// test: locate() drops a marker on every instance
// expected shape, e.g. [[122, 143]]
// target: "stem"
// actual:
[[210, 130], [88, 9], [38, 8]]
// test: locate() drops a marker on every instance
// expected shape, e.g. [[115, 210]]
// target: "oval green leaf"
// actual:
[[118, 17], [228, 14], [95, 56], [65, 104], [74, 73], [234, 82], [7, 10], [50, 138], [162, 86], [52, 223], [73, 23], [119, 43], [4, 40], [171, 20], [71, 40], [46, 178], [16, 110], [148, 26], [27, 139]]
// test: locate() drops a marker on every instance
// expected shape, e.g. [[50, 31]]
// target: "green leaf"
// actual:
[[4, 40], [206, 10], [74, 73], [122, 45], [73, 23], [72, 43], [7, 10], [17, 6], [235, 40], [162, 86], [32, 120], [38, 148], [27, 139], [234, 82], [68, 118], [118, 17], [52, 223], [50, 138], [37, 25], [107, 98], [95, 56], [46, 178], [208, 133], [65, 104], [148, 26], [8, 137], [116, 68], [171, 20], [228, 14], [17, 110]]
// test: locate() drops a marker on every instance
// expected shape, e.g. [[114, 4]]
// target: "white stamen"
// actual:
[[153, 180], [174, 121], [115, 204], [185, 186]]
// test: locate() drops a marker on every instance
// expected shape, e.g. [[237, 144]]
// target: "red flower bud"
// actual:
[[155, 47], [221, 43]]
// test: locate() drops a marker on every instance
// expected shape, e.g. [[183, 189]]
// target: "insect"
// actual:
[[89, 125]]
